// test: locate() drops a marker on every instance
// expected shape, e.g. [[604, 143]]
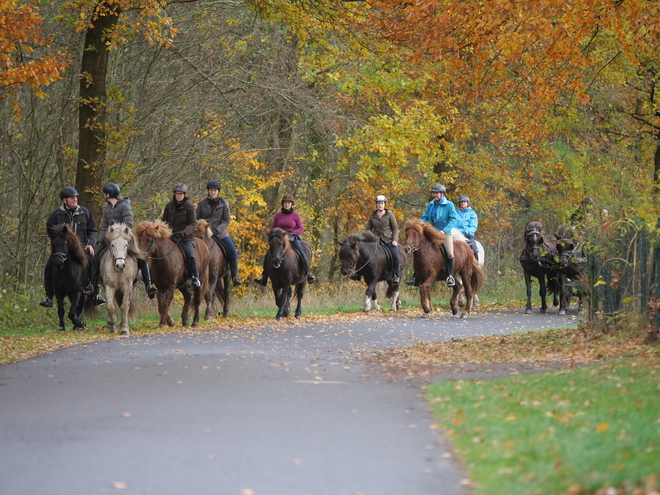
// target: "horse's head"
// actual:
[[203, 229], [65, 244], [414, 232], [150, 232], [534, 239], [118, 238], [570, 253], [278, 243], [348, 254]]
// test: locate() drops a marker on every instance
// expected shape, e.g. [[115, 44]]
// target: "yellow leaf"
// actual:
[[603, 427]]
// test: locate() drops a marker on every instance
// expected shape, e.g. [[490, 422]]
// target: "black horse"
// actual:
[[539, 260], [571, 268], [284, 269], [363, 254], [70, 274]]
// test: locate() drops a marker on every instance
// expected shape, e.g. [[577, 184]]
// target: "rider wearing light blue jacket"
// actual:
[[441, 213], [467, 222]]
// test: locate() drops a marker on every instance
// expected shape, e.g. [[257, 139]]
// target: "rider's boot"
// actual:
[[146, 278], [414, 281], [233, 269], [47, 302], [310, 277], [450, 270], [356, 276], [195, 283]]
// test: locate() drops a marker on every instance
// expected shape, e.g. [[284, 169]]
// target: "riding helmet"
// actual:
[[288, 197], [213, 184], [382, 198], [68, 192], [181, 187], [439, 188], [464, 198], [112, 189]]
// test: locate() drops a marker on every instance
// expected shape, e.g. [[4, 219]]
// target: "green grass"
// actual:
[[562, 432]]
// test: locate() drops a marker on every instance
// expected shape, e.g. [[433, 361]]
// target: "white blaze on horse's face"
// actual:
[[119, 250]]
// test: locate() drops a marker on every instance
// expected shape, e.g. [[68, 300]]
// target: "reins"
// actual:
[[152, 241], [368, 261]]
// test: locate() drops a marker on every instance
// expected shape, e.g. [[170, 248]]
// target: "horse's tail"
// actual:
[[554, 287], [478, 275], [91, 309]]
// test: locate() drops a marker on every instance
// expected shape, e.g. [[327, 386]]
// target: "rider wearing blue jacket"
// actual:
[[441, 213], [467, 222]]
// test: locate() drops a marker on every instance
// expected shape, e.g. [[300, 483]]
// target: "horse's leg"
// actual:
[[187, 299], [197, 301], [278, 292], [528, 288], [125, 307], [110, 301], [469, 295], [164, 301], [225, 294], [60, 310], [425, 296], [300, 292], [453, 302], [287, 300], [209, 297], [394, 290], [369, 293], [76, 310], [542, 293]]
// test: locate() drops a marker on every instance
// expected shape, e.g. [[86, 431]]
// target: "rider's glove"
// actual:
[[176, 237]]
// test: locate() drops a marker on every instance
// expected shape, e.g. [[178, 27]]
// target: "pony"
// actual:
[[118, 272], [70, 274], [539, 260], [457, 235], [284, 269], [169, 270], [423, 241], [364, 253], [219, 275], [570, 272]]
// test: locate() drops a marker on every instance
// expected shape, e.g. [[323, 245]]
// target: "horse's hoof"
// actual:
[[528, 312], [464, 316], [426, 315], [124, 332], [112, 330], [562, 311], [454, 311], [278, 317]]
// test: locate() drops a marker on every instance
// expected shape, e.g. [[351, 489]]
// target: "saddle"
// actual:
[[186, 259], [225, 253], [388, 255]]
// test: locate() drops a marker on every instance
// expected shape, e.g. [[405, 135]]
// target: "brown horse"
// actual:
[[219, 275], [169, 270], [284, 269], [424, 242]]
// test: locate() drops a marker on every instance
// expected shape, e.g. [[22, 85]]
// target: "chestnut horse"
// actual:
[[423, 241], [283, 268], [169, 271], [363, 253], [219, 275]]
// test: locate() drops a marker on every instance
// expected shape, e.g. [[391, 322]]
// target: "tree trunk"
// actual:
[[92, 108]]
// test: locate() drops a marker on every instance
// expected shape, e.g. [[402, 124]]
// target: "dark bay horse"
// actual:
[[571, 270], [284, 269], [539, 260], [363, 253], [169, 271], [70, 274], [219, 274], [423, 241]]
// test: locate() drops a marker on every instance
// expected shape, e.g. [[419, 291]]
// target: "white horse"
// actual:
[[458, 236], [118, 273]]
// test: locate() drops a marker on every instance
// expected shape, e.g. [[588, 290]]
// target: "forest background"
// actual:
[[526, 107]]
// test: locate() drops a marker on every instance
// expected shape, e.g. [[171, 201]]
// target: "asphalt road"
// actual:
[[291, 408]]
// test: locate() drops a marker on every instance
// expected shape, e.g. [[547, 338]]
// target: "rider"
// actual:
[[118, 210], [467, 222], [441, 213], [180, 216], [384, 225], [288, 220], [80, 218], [215, 210]]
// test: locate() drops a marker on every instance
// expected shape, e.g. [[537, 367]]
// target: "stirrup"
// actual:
[[237, 281], [450, 281], [98, 300], [151, 290], [261, 281], [310, 278], [195, 283], [89, 289], [396, 279], [47, 302]]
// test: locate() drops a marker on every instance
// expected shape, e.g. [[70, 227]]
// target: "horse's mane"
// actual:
[[123, 230], [277, 232], [72, 241], [157, 229], [426, 229], [364, 236], [203, 229], [534, 226]]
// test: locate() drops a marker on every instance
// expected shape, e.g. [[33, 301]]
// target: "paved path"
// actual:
[[285, 409]]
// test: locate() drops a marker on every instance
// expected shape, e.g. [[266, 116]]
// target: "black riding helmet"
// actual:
[[464, 198], [439, 188], [180, 187], [68, 192], [213, 184], [112, 189]]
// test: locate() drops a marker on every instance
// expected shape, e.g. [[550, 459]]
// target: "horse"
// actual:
[[284, 269], [70, 274], [538, 259], [457, 235], [119, 273], [169, 270], [364, 253], [570, 272], [423, 241], [219, 274]]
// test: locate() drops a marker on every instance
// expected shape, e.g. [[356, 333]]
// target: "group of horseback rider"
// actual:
[[180, 214]]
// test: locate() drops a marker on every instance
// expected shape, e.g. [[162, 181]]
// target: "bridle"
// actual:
[[62, 256], [356, 258], [150, 246], [414, 249]]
